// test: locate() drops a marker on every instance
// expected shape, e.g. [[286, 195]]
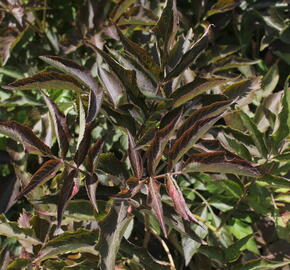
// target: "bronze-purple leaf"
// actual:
[[162, 136], [93, 155], [154, 201], [46, 80], [69, 189], [84, 145], [220, 162], [47, 171], [25, 136], [91, 183], [60, 125], [135, 158], [178, 200], [183, 143]]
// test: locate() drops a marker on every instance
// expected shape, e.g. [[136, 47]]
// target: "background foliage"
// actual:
[[144, 134]]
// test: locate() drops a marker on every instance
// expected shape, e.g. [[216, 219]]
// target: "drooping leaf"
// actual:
[[180, 206], [121, 8], [135, 158], [257, 135], [60, 125], [141, 54], [76, 241], [193, 89], [69, 188], [84, 145], [93, 155], [167, 128], [112, 230], [91, 183], [154, 201], [46, 80], [167, 26], [24, 135], [220, 162], [11, 229], [47, 171], [183, 143], [284, 116], [82, 75], [190, 56]]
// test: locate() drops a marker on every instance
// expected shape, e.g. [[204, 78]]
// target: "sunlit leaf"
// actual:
[[222, 162], [24, 135], [47, 171], [60, 125], [46, 80]]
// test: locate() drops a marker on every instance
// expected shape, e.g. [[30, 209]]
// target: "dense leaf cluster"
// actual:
[[144, 134]]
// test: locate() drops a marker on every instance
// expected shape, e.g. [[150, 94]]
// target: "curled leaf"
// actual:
[[93, 155]]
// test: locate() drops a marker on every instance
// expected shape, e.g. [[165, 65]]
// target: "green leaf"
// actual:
[[73, 242], [284, 116], [270, 80], [233, 252], [154, 201], [275, 181], [112, 230], [46, 80], [25, 136], [12, 230], [190, 56], [121, 8], [257, 136], [60, 125], [193, 89], [261, 265], [220, 162], [190, 247], [18, 264], [183, 143], [47, 171]]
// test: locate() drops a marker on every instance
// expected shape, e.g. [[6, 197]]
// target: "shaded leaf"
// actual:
[[234, 251], [46, 80], [91, 183], [47, 171], [270, 80], [167, 26], [183, 143], [24, 135], [95, 101], [154, 201], [134, 156], [193, 89], [18, 264], [190, 56], [60, 125], [162, 136], [284, 116], [261, 265], [275, 181], [121, 8], [73, 242], [112, 230], [69, 188], [220, 162]]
